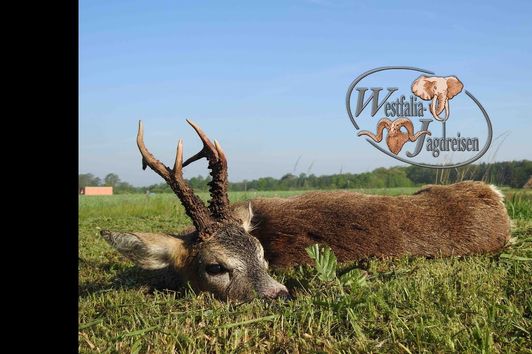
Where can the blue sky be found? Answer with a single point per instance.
(268, 79)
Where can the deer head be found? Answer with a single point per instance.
(219, 256)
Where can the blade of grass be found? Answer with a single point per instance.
(89, 324)
(260, 319)
(514, 257)
(138, 332)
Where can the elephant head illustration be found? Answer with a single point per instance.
(440, 89)
(396, 138)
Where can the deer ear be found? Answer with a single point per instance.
(245, 215)
(147, 250)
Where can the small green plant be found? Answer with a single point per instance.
(325, 265)
(325, 262)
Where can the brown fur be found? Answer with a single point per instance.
(460, 219)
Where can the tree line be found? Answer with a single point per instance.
(513, 174)
(110, 180)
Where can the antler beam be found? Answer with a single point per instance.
(219, 203)
(194, 207)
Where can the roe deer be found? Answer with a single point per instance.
(228, 251)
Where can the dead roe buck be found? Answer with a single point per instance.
(228, 251)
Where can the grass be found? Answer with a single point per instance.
(478, 304)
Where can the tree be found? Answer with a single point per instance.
(88, 179)
(124, 187)
(111, 180)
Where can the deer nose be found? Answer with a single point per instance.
(280, 292)
(275, 290)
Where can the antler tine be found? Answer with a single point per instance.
(194, 207)
(219, 203)
(148, 159)
(221, 153)
(208, 147)
(178, 165)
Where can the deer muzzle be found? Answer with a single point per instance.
(275, 290)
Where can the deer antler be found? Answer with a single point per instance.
(219, 203)
(194, 207)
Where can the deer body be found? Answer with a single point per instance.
(459, 219)
(228, 250)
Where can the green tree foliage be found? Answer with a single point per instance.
(88, 179)
(509, 173)
(124, 187)
(111, 180)
(199, 183)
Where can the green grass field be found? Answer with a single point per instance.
(478, 304)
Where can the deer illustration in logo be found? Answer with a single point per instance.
(396, 138)
(440, 89)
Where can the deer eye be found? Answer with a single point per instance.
(215, 269)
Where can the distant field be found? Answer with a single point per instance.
(478, 304)
(142, 205)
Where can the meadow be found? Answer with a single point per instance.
(479, 304)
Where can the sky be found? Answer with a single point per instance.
(268, 79)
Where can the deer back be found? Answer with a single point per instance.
(459, 219)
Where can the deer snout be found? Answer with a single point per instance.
(277, 291)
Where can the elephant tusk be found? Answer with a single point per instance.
(435, 114)
(433, 108)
